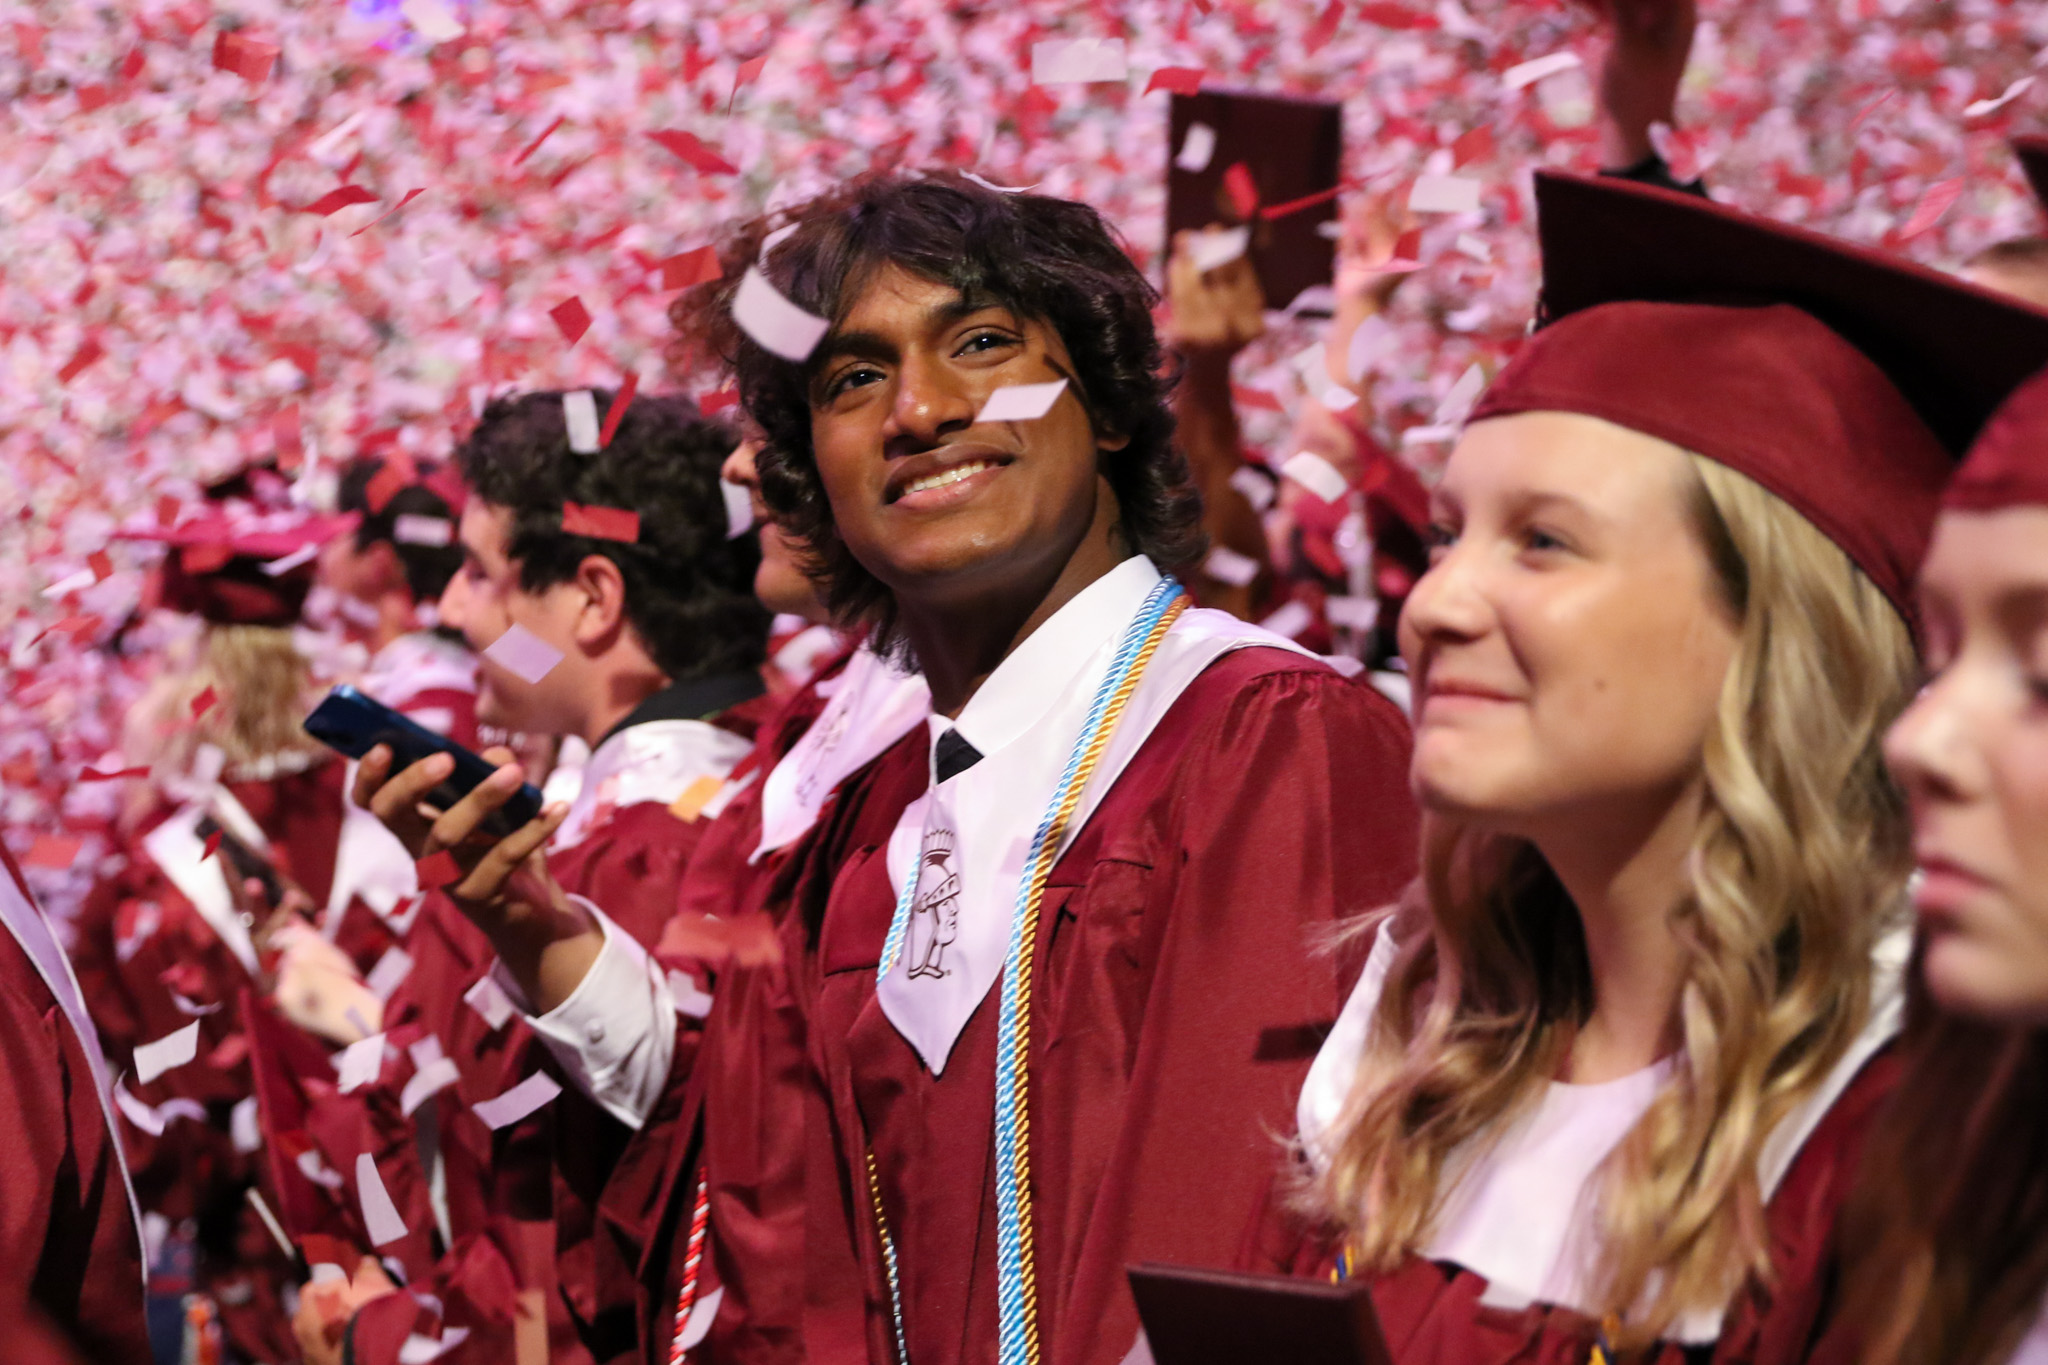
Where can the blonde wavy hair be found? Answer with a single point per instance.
(1799, 859)
(262, 686)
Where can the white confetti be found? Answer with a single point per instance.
(1021, 402)
(359, 1063)
(380, 1215)
(305, 554)
(1255, 487)
(391, 969)
(521, 1100)
(579, 411)
(523, 654)
(410, 528)
(1457, 404)
(1529, 72)
(779, 326)
(1218, 246)
(1991, 106)
(701, 1315)
(1371, 343)
(689, 999)
(1290, 620)
(739, 509)
(431, 20)
(490, 1002)
(1316, 474)
(429, 1081)
(1226, 565)
(173, 1050)
(419, 1350)
(1444, 194)
(1078, 61)
(1197, 148)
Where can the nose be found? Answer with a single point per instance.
(931, 402)
(1447, 605)
(454, 604)
(1928, 748)
(739, 466)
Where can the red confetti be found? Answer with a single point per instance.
(337, 199)
(1934, 205)
(95, 775)
(1242, 189)
(438, 870)
(250, 58)
(1307, 201)
(410, 195)
(1397, 17)
(750, 71)
(212, 845)
(1246, 397)
(622, 400)
(1325, 27)
(54, 850)
(102, 567)
(1477, 145)
(691, 149)
(572, 317)
(717, 401)
(383, 486)
(534, 145)
(690, 268)
(1181, 80)
(204, 702)
(604, 523)
(88, 351)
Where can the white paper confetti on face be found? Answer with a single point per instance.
(359, 1063)
(1196, 148)
(1078, 61)
(380, 1215)
(173, 1050)
(1316, 474)
(1529, 72)
(778, 325)
(1226, 565)
(431, 20)
(1218, 246)
(1021, 402)
(410, 528)
(1444, 194)
(523, 654)
(521, 1100)
(739, 510)
(579, 410)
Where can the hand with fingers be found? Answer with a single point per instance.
(505, 888)
(1216, 311)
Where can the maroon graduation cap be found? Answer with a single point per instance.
(2008, 467)
(1845, 380)
(223, 564)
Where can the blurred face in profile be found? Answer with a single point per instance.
(780, 582)
(1569, 641)
(1972, 756)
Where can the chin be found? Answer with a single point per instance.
(1976, 979)
(784, 590)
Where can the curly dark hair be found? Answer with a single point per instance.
(689, 587)
(1051, 260)
(427, 567)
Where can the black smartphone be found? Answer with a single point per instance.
(243, 861)
(1220, 1317)
(353, 724)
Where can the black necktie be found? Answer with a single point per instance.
(953, 755)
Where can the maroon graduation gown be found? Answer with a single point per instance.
(1180, 995)
(67, 1237)
(1430, 1312)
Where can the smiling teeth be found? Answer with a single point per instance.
(946, 476)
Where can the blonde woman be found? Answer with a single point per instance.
(1600, 1076)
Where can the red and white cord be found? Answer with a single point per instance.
(693, 1262)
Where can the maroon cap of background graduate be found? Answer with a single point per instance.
(2008, 467)
(237, 567)
(1845, 380)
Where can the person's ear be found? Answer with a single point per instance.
(1109, 442)
(603, 589)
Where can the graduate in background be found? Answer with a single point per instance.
(1948, 1240)
(1143, 984)
(1602, 1080)
(645, 639)
(70, 1229)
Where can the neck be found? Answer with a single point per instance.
(614, 696)
(960, 642)
(1626, 874)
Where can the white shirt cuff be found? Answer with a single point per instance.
(615, 1035)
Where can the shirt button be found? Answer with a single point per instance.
(594, 1032)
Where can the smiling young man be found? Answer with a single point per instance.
(1063, 964)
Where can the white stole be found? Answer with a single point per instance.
(972, 833)
(653, 761)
